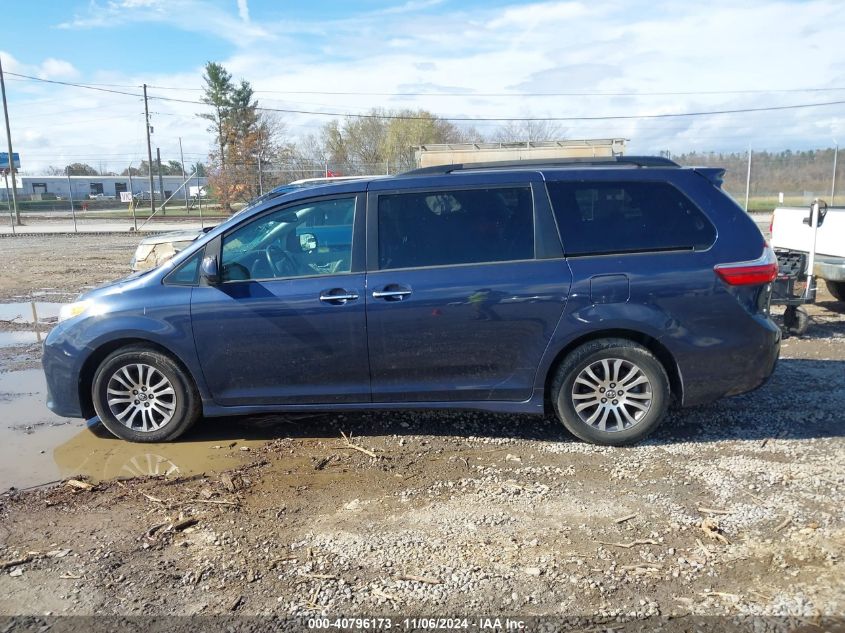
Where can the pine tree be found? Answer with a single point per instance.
(218, 94)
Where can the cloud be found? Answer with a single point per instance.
(187, 15)
(134, 4)
(410, 7)
(430, 87)
(457, 56)
(532, 15)
(243, 10)
(52, 68)
(568, 78)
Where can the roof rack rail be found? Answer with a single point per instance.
(634, 161)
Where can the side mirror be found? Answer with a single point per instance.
(307, 241)
(209, 271)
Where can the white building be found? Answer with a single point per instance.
(82, 187)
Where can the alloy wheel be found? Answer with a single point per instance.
(141, 397)
(611, 394)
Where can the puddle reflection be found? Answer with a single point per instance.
(98, 454)
(20, 337)
(37, 446)
(30, 312)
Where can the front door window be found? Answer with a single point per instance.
(299, 241)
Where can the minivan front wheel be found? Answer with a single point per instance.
(611, 391)
(142, 395)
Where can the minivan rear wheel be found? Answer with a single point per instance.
(143, 395)
(611, 391)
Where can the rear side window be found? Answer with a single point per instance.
(447, 227)
(619, 217)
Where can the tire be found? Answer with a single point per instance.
(796, 320)
(837, 289)
(152, 398)
(584, 366)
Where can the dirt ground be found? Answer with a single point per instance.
(732, 509)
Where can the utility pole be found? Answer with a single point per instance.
(833, 182)
(70, 196)
(260, 178)
(132, 198)
(160, 181)
(9, 202)
(149, 152)
(748, 181)
(182, 159)
(199, 198)
(11, 153)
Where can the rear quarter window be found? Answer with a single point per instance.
(627, 217)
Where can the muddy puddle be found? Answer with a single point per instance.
(37, 446)
(30, 311)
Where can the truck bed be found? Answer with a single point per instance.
(789, 231)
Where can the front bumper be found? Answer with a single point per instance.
(63, 376)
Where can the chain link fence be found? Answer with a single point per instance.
(758, 180)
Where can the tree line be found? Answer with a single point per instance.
(169, 168)
(791, 172)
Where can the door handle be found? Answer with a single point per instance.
(393, 292)
(338, 296)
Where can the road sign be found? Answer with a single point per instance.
(4, 160)
(126, 196)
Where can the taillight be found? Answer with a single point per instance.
(762, 270)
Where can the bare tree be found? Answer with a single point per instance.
(385, 139)
(523, 131)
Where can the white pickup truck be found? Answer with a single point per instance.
(791, 232)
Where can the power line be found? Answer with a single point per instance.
(467, 119)
(75, 85)
(88, 84)
(523, 94)
(525, 119)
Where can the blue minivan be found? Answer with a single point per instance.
(602, 290)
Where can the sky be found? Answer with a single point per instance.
(457, 58)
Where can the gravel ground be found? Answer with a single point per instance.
(731, 509)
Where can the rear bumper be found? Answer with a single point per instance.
(829, 268)
(746, 366)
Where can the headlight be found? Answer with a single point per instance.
(70, 310)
